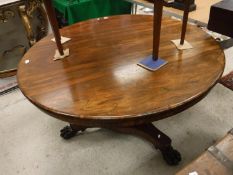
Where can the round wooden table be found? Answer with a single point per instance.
(101, 85)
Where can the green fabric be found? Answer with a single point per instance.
(80, 10)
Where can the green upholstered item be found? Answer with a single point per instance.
(79, 10)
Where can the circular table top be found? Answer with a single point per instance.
(100, 81)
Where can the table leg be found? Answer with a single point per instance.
(161, 141)
(70, 131)
(136, 9)
(146, 131)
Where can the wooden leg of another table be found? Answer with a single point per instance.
(157, 138)
(70, 131)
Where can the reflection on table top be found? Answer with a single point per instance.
(101, 80)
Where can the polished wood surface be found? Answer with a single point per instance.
(100, 81)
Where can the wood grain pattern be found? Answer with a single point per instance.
(100, 82)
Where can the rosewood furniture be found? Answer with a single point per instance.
(100, 85)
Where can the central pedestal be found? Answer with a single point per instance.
(146, 131)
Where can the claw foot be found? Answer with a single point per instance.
(69, 132)
(171, 156)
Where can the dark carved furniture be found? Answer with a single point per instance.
(100, 84)
(22, 23)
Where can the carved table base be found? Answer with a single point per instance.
(146, 131)
(71, 131)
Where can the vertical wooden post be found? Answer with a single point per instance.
(53, 21)
(185, 21)
(158, 12)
